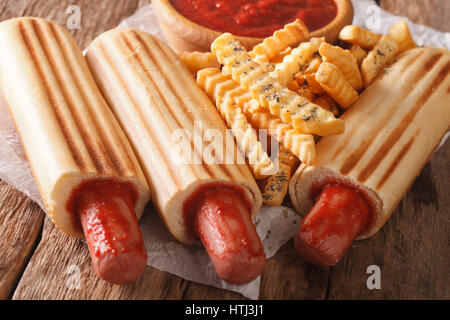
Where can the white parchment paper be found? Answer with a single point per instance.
(275, 225)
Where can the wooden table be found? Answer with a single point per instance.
(39, 262)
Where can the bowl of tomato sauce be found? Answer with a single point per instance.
(192, 25)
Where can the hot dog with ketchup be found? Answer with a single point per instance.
(222, 221)
(88, 176)
(361, 175)
(106, 213)
(157, 102)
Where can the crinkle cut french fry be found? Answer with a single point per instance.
(360, 36)
(326, 102)
(400, 33)
(247, 139)
(358, 52)
(196, 60)
(302, 145)
(279, 58)
(378, 58)
(267, 66)
(280, 101)
(334, 83)
(344, 61)
(309, 75)
(245, 136)
(299, 77)
(313, 84)
(294, 86)
(281, 39)
(306, 92)
(313, 66)
(295, 61)
(275, 188)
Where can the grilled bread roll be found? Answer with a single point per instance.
(69, 134)
(391, 132)
(152, 95)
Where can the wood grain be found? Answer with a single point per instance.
(411, 250)
(97, 16)
(61, 268)
(20, 225)
(433, 13)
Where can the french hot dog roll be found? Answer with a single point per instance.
(153, 96)
(360, 176)
(88, 176)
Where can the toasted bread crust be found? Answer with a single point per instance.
(153, 94)
(391, 131)
(68, 132)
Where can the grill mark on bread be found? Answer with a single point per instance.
(117, 152)
(351, 134)
(75, 152)
(397, 160)
(223, 167)
(149, 78)
(187, 112)
(356, 156)
(103, 55)
(411, 61)
(430, 63)
(83, 132)
(99, 158)
(199, 154)
(183, 71)
(94, 53)
(404, 123)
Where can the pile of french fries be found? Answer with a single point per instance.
(296, 93)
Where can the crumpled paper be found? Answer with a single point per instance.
(275, 225)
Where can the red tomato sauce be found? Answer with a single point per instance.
(108, 218)
(339, 211)
(317, 189)
(190, 203)
(223, 223)
(256, 18)
(73, 201)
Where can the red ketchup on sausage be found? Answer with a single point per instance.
(116, 246)
(222, 220)
(339, 215)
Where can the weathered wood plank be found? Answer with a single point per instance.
(20, 224)
(60, 268)
(97, 16)
(433, 13)
(288, 276)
